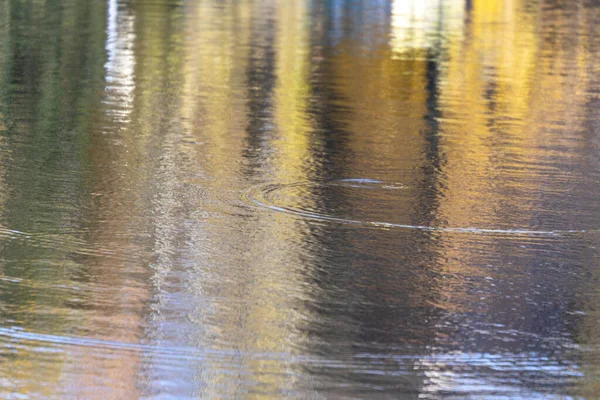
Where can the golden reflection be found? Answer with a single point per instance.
(216, 60)
(387, 101)
(270, 321)
(291, 93)
(503, 91)
(500, 91)
(215, 116)
(236, 46)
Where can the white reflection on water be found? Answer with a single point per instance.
(419, 24)
(120, 66)
(477, 375)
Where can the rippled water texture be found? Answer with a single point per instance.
(299, 199)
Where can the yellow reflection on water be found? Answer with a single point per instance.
(498, 97)
(292, 93)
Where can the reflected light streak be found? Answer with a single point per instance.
(412, 24)
(120, 74)
(422, 24)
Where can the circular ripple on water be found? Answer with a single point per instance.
(364, 202)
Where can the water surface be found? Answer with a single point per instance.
(299, 199)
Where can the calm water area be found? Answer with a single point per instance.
(311, 199)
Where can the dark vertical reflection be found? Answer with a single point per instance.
(367, 295)
(261, 79)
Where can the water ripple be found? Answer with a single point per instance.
(272, 197)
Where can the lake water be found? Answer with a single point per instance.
(299, 199)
